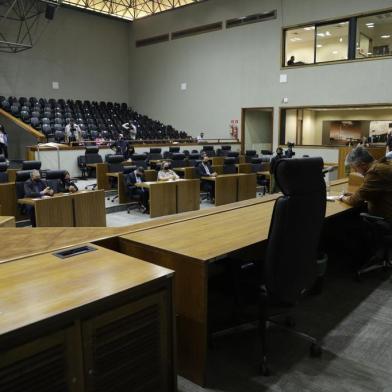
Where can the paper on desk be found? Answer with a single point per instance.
(333, 198)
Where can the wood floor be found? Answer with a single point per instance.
(355, 321)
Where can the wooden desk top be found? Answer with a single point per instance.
(264, 173)
(7, 221)
(147, 184)
(115, 174)
(227, 231)
(41, 287)
(32, 200)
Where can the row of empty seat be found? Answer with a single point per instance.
(95, 119)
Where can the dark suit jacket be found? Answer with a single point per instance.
(63, 186)
(33, 188)
(201, 171)
(131, 181)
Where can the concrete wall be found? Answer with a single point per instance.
(87, 54)
(240, 67)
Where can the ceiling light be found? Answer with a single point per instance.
(340, 39)
(370, 27)
(386, 36)
(319, 46)
(369, 53)
(309, 28)
(321, 34)
(328, 34)
(335, 52)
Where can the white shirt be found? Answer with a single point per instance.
(207, 169)
(200, 138)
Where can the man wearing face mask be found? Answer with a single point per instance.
(204, 169)
(166, 174)
(133, 178)
(34, 188)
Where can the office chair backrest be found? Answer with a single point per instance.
(155, 150)
(2, 158)
(249, 155)
(178, 160)
(297, 221)
(174, 149)
(256, 164)
(155, 154)
(139, 160)
(229, 166)
(266, 152)
(53, 177)
(209, 150)
(3, 172)
(226, 148)
(193, 158)
(91, 155)
(21, 177)
(115, 163)
(31, 165)
(128, 169)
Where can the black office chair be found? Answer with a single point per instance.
(379, 241)
(223, 151)
(249, 155)
(31, 165)
(209, 150)
(91, 155)
(193, 158)
(229, 166)
(115, 163)
(290, 267)
(178, 160)
(21, 177)
(174, 149)
(260, 165)
(155, 154)
(2, 158)
(3, 172)
(140, 160)
(233, 154)
(53, 177)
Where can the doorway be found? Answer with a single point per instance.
(257, 129)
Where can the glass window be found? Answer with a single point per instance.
(374, 36)
(299, 46)
(332, 42)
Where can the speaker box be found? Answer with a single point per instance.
(49, 11)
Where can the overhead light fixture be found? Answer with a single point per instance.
(328, 34)
(335, 52)
(386, 36)
(369, 53)
(319, 45)
(321, 34)
(340, 39)
(309, 28)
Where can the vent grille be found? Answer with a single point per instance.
(152, 40)
(42, 372)
(256, 18)
(197, 30)
(127, 354)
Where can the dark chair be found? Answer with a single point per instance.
(259, 165)
(290, 266)
(92, 156)
(2, 158)
(249, 155)
(223, 151)
(193, 159)
(21, 177)
(379, 241)
(3, 172)
(209, 150)
(31, 165)
(59, 136)
(53, 177)
(234, 154)
(178, 160)
(139, 160)
(266, 152)
(174, 149)
(155, 154)
(229, 166)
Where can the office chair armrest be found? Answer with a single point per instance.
(384, 226)
(371, 218)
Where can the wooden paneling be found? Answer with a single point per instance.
(188, 195)
(162, 199)
(8, 199)
(245, 168)
(226, 189)
(151, 175)
(7, 221)
(247, 186)
(102, 180)
(54, 212)
(89, 209)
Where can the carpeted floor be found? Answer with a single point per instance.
(355, 321)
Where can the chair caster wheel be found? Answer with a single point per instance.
(315, 351)
(290, 322)
(264, 370)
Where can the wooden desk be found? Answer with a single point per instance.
(56, 211)
(247, 184)
(89, 208)
(230, 232)
(121, 191)
(245, 168)
(100, 173)
(12, 174)
(188, 173)
(226, 188)
(188, 195)
(8, 200)
(59, 316)
(7, 221)
(162, 197)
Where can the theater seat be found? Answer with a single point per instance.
(31, 165)
(3, 172)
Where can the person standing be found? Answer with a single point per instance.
(3, 142)
(131, 128)
(72, 132)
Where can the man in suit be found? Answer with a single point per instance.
(35, 187)
(137, 176)
(204, 169)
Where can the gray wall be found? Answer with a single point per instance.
(87, 54)
(231, 69)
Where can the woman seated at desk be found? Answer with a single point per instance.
(65, 184)
(166, 174)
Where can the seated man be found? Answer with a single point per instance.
(34, 188)
(166, 174)
(204, 169)
(376, 189)
(65, 185)
(279, 155)
(137, 176)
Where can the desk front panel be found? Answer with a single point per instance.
(54, 212)
(163, 197)
(89, 209)
(188, 195)
(8, 199)
(247, 186)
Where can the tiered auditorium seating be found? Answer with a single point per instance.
(103, 119)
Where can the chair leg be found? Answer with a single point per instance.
(263, 319)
